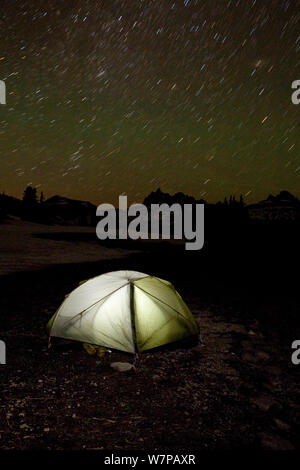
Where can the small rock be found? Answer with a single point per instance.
(282, 425)
(122, 366)
(263, 403)
(269, 441)
(263, 355)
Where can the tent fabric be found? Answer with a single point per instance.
(125, 310)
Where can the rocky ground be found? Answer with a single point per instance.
(237, 390)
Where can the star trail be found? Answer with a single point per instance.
(122, 97)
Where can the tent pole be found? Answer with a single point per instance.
(132, 318)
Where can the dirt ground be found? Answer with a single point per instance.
(238, 390)
(22, 248)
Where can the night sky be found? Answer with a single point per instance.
(122, 97)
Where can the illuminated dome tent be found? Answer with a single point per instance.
(124, 310)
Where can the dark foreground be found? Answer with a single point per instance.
(237, 391)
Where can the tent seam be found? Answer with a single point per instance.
(165, 303)
(93, 305)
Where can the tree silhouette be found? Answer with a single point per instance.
(30, 196)
(29, 203)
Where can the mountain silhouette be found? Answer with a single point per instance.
(60, 209)
(66, 211)
(284, 206)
